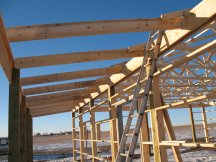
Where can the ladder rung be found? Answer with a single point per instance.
(135, 115)
(129, 134)
(123, 154)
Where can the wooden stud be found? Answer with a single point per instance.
(192, 123)
(205, 125)
(82, 158)
(93, 132)
(113, 124)
(74, 136)
(23, 130)
(14, 117)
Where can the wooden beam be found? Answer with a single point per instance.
(59, 95)
(81, 135)
(74, 137)
(23, 130)
(68, 58)
(62, 87)
(57, 100)
(60, 30)
(113, 125)
(70, 75)
(193, 130)
(6, 57)
(14, 117)
(93, 132)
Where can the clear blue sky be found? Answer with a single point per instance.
(25, 12)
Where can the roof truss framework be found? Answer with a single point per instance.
(186, 65)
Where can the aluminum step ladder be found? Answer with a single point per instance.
(134, 105)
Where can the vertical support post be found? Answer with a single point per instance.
(14, 117)
(144, 137)
(120, 126)
(93, 132)
(205, 125)
(113, 124)
(192, 123)
(74, 136)
(98, 131)
(23, 129)
(29, 137)
(81, 136)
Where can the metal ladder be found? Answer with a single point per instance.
(134, 104)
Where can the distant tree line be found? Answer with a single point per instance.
(53, 134)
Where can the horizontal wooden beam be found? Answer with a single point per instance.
(46, 97)
(62, 87)
(68, 58)
(60, 30)
(70, 75)
(6, 57)
(54, 101)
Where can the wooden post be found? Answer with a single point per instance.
(74, 136)
(120, 126)
(93, 133)
(205, 125)
(14, 117)
(27, 134)
(192, 123)
(158, 133)
(144, 137)
(23, 130)
(98, 131)
(81, 136)
(113, 124)
(30, 139)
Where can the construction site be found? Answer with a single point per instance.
(174, 69)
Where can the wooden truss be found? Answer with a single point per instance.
(185, 78)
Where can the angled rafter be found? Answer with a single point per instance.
(62, 87)
(37, 32)
(6, 57)
(70, 75)
(47, 60)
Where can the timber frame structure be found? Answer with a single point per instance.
(185, 78)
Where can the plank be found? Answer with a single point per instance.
(60, 30)
(193, 130)
(61, 87)
(68, 58)
(6, 57)
(23, 130)
(70, 75)
(14, 117)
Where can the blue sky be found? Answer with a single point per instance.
(24, 12)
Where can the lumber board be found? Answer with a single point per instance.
(68, 58)
(70, 75)
(62, 87)
(60, 30)
(6, 57)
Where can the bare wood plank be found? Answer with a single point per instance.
(61, 87)
(6, 57)
(23, 130)
(70, 75)
(74, 136)
(192, 123)
(57, 100)
(68, 58)
(37, 32)
(14, 117)
(81, 135)
(93, 132)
